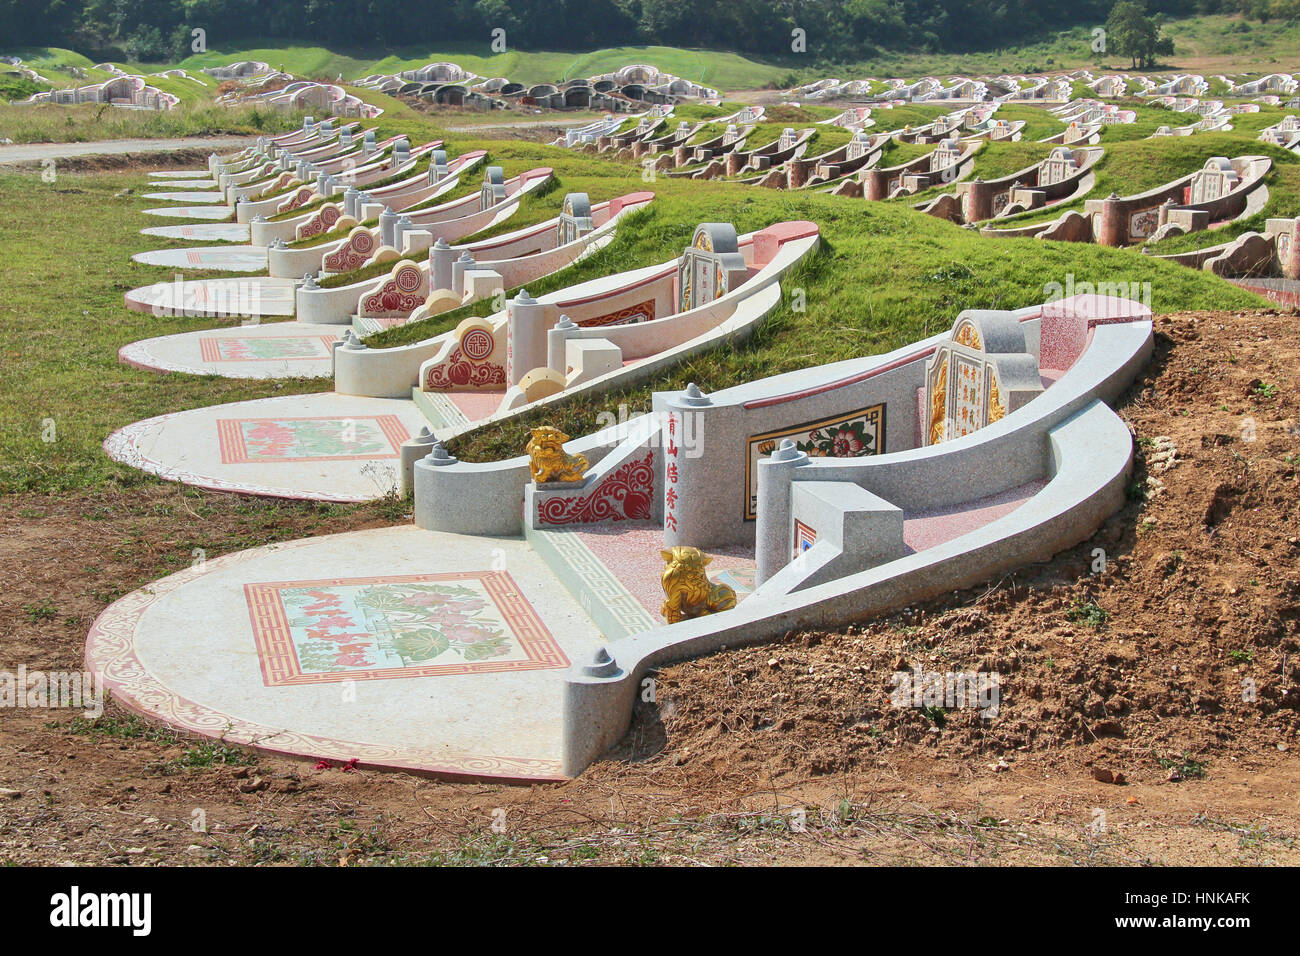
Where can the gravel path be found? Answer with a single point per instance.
(30, 152)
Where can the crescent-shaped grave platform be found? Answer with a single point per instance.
(202, 232)
(224, 258)
(324, 446)
(274, 350)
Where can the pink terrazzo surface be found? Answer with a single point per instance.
(926, 529)
(476, 405)
(630, 550)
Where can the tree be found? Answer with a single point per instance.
(1131, 33)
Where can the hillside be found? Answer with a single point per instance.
(1214, 43)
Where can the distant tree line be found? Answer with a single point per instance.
(834, 30)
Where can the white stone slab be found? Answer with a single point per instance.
(190, 212)
(192, 196)
(203, 232)
(273, 350)
(187, 650)
(252, 296)
(323, 446)
(226, 258)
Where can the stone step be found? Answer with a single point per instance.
(440, 412)
(598, 591)
(365, 325)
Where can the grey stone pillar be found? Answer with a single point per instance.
(440, 263)
(691, 490)
(527, 336)
(773, 548)
(387, 224)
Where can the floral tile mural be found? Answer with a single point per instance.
(848, 436)
(259, 440)
(379, 628)
(265, 348)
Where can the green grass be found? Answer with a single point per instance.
(15, 87)
(1002, 159)
(1039, 124)
(60, 355)
(1260, 47)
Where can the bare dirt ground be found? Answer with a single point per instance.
(1149, 713)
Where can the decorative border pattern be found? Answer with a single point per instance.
(235, 452)
(622, 495)
(321, 222)
(804, 537)
(210, 349)
(279, 660)
(457, 371)
(358, 249)
(641, 312)
(299, 198)
(399, 295)
(124, 446)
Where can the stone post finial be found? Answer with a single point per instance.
(693, 395)
(602, 665)
(438, 455)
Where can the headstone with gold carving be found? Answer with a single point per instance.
(982, 373)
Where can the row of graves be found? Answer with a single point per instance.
(505, 632)
(122, 90)
(1058, 91)
(1222, 191)
(619, 328)
(299, 96)
(653, 140)
(1065, 175)
(1035, 89)
(783, 163)
(329, 231)
(629, 89)
(281, 187)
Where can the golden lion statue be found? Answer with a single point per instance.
(548, 461)
(689, 591)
